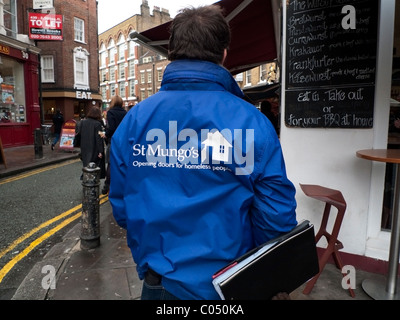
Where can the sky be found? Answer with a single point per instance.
(113, 12)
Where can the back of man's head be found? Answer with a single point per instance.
(199, 33)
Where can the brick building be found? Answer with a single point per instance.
(125, 68)
(67, 77)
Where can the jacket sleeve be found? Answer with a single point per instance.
(273, 210)
(118, 169)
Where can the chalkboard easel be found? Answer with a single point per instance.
(2, 157)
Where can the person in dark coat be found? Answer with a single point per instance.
(114, 117)
(266, 109)
(92, 143)
(58, 121)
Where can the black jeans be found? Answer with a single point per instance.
(153, 289)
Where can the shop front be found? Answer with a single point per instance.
(19, 100)
(73, 104)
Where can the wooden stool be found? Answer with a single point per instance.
(334, 198)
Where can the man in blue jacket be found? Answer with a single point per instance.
(198, 175)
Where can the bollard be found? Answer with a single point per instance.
(38, 144)
(90, 225)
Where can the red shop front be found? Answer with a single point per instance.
(19, 92)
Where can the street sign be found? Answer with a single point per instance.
(42, 4)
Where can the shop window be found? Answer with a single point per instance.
(81, 68)
(10, 17)
(47, 66)
(12, 90)
(79, 30)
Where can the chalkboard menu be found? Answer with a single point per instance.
(331, 50)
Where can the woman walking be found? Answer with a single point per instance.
(92, 144)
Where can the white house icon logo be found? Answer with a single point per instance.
(220, 147)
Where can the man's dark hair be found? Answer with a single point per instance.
(199, 33)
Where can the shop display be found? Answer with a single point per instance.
(10, 111)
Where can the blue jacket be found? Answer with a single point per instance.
(198, 178)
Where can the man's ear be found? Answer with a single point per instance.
(225, 54)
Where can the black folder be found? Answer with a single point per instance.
(280, 265)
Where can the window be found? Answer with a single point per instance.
(263, 73)
(47, 66)
(121, 71)
(131, 68)
(239, 77)
(121, 48)
(122, 90)
(159, 75)
(112, 89)
(132, 88)
(147, 59)
(142, 77)
(112, 73)
(10, 17)
(103, 75)
(111, 52)
(104, 93)
(12, 87)
(248, 77)
(221, 149)
(81, 68)
(103, 56)
(131, 49)
(149, 76)
(79, 29)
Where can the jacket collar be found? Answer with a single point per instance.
(198, 75)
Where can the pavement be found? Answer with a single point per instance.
(107, 272)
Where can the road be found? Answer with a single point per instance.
(37, 209)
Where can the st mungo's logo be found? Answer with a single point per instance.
(223, 150)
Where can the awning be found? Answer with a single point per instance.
(253, 34)
(261, 92)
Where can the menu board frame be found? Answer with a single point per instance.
(331, 48)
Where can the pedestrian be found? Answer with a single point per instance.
(114, 117)
(198, 174)
(91, 142)
(58, 121)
